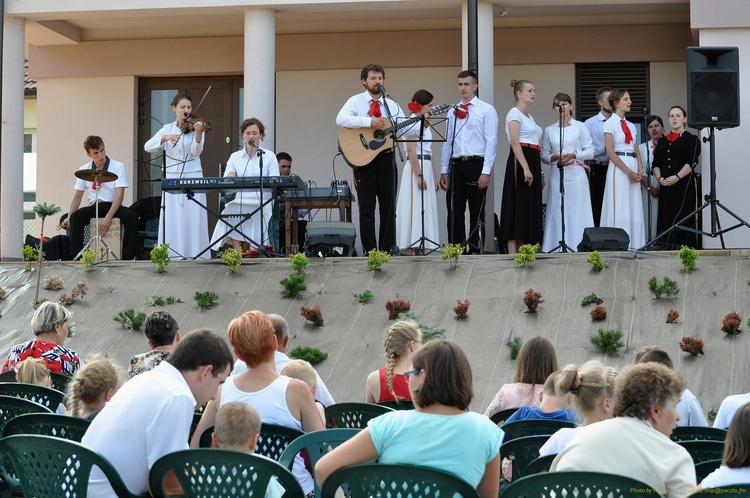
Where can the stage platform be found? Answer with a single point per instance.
(353, 333)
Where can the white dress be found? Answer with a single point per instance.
(578, 215)
(623, 206)
(247, 201)
(409, 205)
(647, 158)
(186, 222)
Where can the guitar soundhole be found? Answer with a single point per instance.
(379, 135)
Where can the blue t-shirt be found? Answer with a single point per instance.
(461, 445)
(533, 412)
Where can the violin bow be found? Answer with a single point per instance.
(195, 111)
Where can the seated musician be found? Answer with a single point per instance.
(285, 169)
(247, 163)
(111, 195)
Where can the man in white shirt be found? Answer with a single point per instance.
(598, 166)
(151, 414)
(728, 408)
(111, 195)
(466, 163)
(281, 329)
(377, 180)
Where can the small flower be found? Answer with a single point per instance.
(414, 107)
(462, 111)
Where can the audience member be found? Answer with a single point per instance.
(440, 433)
(33, 371)
(735, 465)
(304, 371)
(50, 326)
(689, 407)
(279, 400)
(281, 330)
(636, 442)
(92, 387)
(728, 408)
(163, 334)
(536, 361)
(150, 416)
(593, 390)
(552, 406)
(402, 339)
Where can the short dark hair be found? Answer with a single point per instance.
(737, 446)
(653, 118)
(615, 97)
(93, 142)
(253, 121)
(422, 97)
(199, 348)
(283, 156)
(643, 385)
(468, 74)
(160, 328)
(375, 68)
(181, 96)
(447, 375)
(654, 354)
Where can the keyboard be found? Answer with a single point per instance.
(319, 193)
(232, 184)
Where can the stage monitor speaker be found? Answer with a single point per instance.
(713, 87)
(604, 239)
(330, 238)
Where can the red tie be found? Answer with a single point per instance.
(626, 131)
(374, 109)
(463, 111)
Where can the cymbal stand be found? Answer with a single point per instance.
(98, 238)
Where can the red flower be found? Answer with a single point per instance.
(415, 107)
(462, 112)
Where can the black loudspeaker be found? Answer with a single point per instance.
(604, 239)
(330, 238)
(713, 87)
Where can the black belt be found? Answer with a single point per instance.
(628, 154)
(598, 163)
(467, 158)
(426, 157)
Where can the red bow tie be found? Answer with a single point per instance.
(374, 109)
(463, 111)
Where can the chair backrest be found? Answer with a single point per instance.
(701, 451)
(731, 491)
(213, 473)
(533, 427)
(48, 424)
(353, 415)
(11, 407)
(502, 415)
(404, 404)
(9, 376)
(51, 398)
(378, 480)
(698, 433)
(539, 465)
(704, 468)
(60, 381)
(50, 467)
(522, 451)
(274, 439)
(580, 484)
(316, 444)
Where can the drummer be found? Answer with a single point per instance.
(111, 186)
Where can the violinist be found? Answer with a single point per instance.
(247, 162)
(187, 226)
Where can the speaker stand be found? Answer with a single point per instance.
(710, 202)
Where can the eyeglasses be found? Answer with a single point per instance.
(412, 372)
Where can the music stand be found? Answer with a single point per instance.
(96, 176)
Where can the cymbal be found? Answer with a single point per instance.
(95, 175)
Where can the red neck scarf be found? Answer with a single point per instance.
(374, 109)
(671, 137)
(626, 131)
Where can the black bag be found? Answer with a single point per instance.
(54, 249)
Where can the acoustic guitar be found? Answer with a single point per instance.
(359, 146)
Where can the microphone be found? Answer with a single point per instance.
(560, 103)
(381, 89)
(251, 142)
(644, 111)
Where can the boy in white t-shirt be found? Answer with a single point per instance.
(304, 371)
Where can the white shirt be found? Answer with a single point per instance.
(690, 410)
(724, 476)
(182, 157)
(614, 128)
(241, 164)
(148, 417)
(726, 411)
(354, 112)
(576, 138)
(595, 124)
(530, 132)
(107, 191)
(475, 135)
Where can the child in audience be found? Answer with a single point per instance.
(735, 465)
(34, 371)
(237, 428)
(304, 371)
(93, 385)
(551, 405)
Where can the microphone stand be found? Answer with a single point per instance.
(163, 198)
(561, 167)
(261, 193)
(394, 171)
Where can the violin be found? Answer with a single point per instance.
(191, 120)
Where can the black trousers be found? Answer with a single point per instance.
(597, 182)
(462, 186)
(83, 216)
(376, 183)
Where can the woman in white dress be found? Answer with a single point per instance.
(622, 206)
(243, 163)
(649, 183)
(418, 179)
(577, 148)
(186, 223)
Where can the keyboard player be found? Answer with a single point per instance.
(285, 169)
(247, 162)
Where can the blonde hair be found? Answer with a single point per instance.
(302, 370)
(90, 383)
(518, 86)
(398, 337)
(236, 424)
(33, 371)
(589, 383)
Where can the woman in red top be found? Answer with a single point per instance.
(389, 384)
(50, 325)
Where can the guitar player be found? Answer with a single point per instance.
(377, 180)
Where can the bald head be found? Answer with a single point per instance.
(281, 329)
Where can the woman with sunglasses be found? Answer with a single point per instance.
(440, 433)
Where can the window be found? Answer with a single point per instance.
(632, 76)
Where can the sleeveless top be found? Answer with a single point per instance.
(400, 387)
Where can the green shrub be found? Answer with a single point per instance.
(595, 259)
(514, 345)
(232, 257)
(526, 255)
(89, 258)
(688, 256)
(427, 331)
(160, 257)
(205, 299)
(312, 355)
(161, 300)
(130, 319)
(364, 298)
(667, 288)
(294, 284)
(591, 299)
(452, 252)
(376, 259)
(608, 341)
(299, 262)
